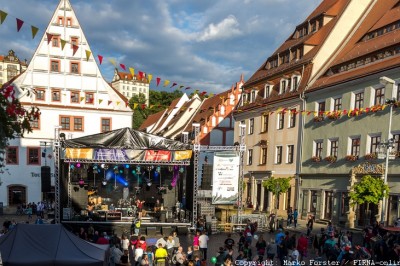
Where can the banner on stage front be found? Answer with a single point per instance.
(182, 155)
(82, 153)
(157, 155)
(225, 178)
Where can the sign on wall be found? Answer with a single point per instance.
(225, 178)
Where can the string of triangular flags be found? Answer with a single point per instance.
(141, 74)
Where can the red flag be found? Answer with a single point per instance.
(187, 88)
(49, 36)
(19, 24)
(143, 106)
(100, 59)
(140, 74)
(109, 102)
(74, 48)
(126, 104)
(203, 93)
(122, 66)
(158, 81)
(174, 84)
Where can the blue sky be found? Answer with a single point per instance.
(203, 44)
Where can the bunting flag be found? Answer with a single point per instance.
(135, 105)
(132, 70)
(187, 88)
(113, 61)
(34, 31)
(118, 102)
(109, 102)
(158, 81)
(181, 86)
(82, 98)
(19, 24)
(88, 53)
(74, 49)
(166, 82)
(3, 16)
(210, 95)
(63, 43)
(174, 84)
(49, 36)
(122, 66)
(151, 106)
(140, 75)
(143, 106)
(100, 101)
(100, 59)
(150, 76)
(126, 104)
(190, 109)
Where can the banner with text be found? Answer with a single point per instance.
(225, 178)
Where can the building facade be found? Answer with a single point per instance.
(350, 121)
(73, 99)
(130, 86)
(10, 66)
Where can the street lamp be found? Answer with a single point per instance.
(385, 147)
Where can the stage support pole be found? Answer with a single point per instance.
(196, 148)
(57, 149)
(242, 149)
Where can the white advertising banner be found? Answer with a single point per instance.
(225, 178)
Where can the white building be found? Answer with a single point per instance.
(71, 93)
(10, 66)
(129, 85)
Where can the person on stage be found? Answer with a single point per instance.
(139, 205)
(157, 209)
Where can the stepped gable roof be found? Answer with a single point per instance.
(331, 7)
(166, 114)
(1, 58)
(152, 119)
(357, 48)
(128, 76)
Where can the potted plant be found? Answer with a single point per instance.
(351, 158)
(370, 156)
(331, 159)
(334, 115)
(318, 118)
(316, 159)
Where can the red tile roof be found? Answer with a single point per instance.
(152, 119)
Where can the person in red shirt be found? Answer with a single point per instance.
(302, 244)
(103, 240)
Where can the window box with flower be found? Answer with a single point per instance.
(331, 159)
(316, 159)
(335, 115)
(370, 156)
(351, 158)
(318, 118)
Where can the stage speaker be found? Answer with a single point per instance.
(166, 230)
(151, 231)
(163, 216)
(182, 230)
(45, 178)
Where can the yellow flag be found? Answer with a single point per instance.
(135, 105)
(118, 102)
(151, 106)
(88, 53)
(82, 98)
(3, 16)
(63, 42)
(132, 70)
(34, 31)
(100, 101)
(113, 61)
(166, 82)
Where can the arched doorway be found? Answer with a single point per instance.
(16, 195)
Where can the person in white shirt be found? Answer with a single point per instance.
(138, 254)
(162, 240)
(203, 239)
(170, 246)
(124, 242)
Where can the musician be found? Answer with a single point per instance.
(157, 209)
(90, 208)
(139, 205)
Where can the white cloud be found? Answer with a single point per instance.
(227, 28)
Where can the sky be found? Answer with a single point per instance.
(202, 44)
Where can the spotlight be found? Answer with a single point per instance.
(127, 166)
(102, 165)
(81, 182)
(78, 165)
(181, 169)
(72, 166)
(104, 182)
(149, 184)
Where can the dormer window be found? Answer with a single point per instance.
(244, 98)
(283, 86)
(295, 83)
(267, 91)
(253, 96)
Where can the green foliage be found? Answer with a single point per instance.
(277, 185)
(368, 190)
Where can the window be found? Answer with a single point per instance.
(264, 122)
(396, 138)
(74, 123)
(334, 148)
(74, 41)
(355, 147)
(74, 96)
(337, 104)
(55, 65)
(290, 153)
(321, 109)
(35, 123)
(263, 156)
(292, 119)
(251, 126)
(283, 86)
(379, 96)
(105, 124)
(250, 157)
(398, 92)
(11, 71)
(56, 95)
(267, 91)
(89, 98)
(75, 67)
(344, 204)
(375, 141)
(313, 201)
(40, 94)
(60, 21)
(253, 96)
(69, 22)
(295, 83)
(33, 156)
(278, 154)
(65, 123)
(12, 155)
(78, 123)
(358, 100)
(16, 195)
(281, 120)
(318, 148)
(55, 40)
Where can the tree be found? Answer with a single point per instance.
(369, 190)
(14, 118)
(140, 110)
(277, 186)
